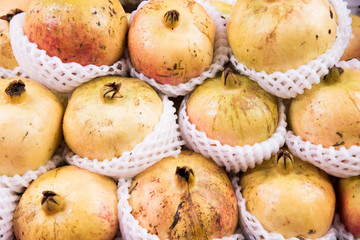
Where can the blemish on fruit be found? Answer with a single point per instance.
(317, 37)
(338, 144)
(133, 188)
(176, 216)
(312, 231)
(329, 31)
(331, 14)
(339, 134)
(25, 135)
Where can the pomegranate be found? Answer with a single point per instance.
(8, 8)
(279, 35)
(159, 26)
(188, 197)
(329, 114)
(348, 196)
(353, 48)
(233, 109)
(110, 115)
(30, 125)
(289, 196)
(68, 203)
(82, 31)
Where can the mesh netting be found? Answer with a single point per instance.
(51, 71)
(343, 234)
(352, 63)
(164, 141)
(253, 229)
(295, 81)
(237, 158)
(130, 227)
(8, 73)
(8, 204)
(221, 52)
(343, 163)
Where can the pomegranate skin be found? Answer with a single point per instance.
(82, 31)
(202, 207)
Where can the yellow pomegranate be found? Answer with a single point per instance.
(171, 41)
(233, 109)
(329, 114)
(279, 35)
(353, 48)
(82, 31)
(68, 203)
(30, 125)
(188, 197)
(8, 8)
(289, 196)
(110, 115)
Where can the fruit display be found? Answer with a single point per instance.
(90, 149)
(68, 203)
(289, 196)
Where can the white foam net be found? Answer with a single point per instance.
(344, 162)
(253, 229)
(8, 73)
(129, 226)
(352, 63)
(343, 234)
(237, 158)
(221, 52)
(51, 71)
(295, 81)
(163, 142)
(12, 187)
(8, 204)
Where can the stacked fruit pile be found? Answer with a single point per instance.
(182, 120)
